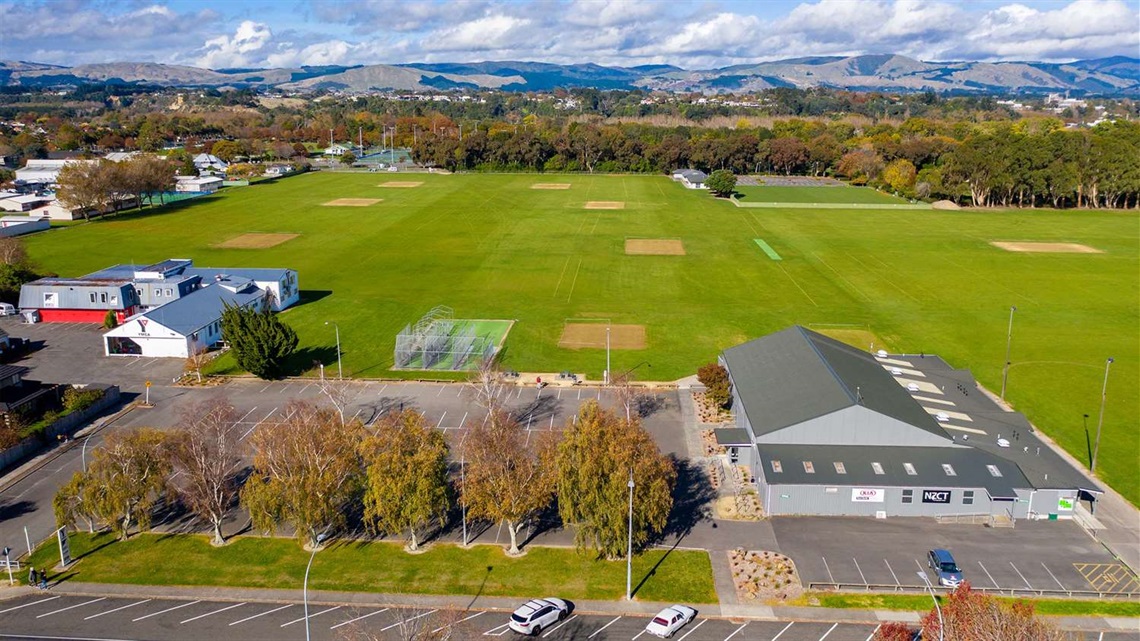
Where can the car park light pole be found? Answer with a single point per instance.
(1008, 343)
(629, 549)
(305, 589)
(1100, 419)
(339, 370)
(937, 608)
(462, 483)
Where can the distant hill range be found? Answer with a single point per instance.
(1106, 76)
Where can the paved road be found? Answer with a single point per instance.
(50, 616)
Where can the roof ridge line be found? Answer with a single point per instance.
(842, 385)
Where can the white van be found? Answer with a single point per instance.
(7, 309)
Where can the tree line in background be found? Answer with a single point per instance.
(103, 185)
(317, 472)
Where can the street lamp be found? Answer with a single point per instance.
(305, 590)
(1008, 343)
(339, 369)
(1100, 419)
(462, 483)
(937, 608)
(629, 549)
(83, 452)
(607, 377)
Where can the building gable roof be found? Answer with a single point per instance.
(194, 311)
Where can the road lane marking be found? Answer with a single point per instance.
(783, 631)
(51, 598)
(703, 621)
(1052, 575)
(833, 626)
(988, 574)
(71, 607)
(736, 632)
(154, 614)
(1020, 575)
(892, 571)
(596, 632)
(311, 616)
(872, 635)
(93, 616)
(203, 616)
(418, 616)
(262, 614)
(444, 627)
(828, 568)
(358, 618)
(860, 571)
(551, 631)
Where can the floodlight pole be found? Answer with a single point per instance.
(463, 482)
(305, 589)
(339, 369)
(1100, 419)
(937, 608)
(1008, 343)
(629, 548)
(607, 377)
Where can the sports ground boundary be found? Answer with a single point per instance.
(764, 205)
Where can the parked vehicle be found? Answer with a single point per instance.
(536, 615)
(669, 620)
(8, 309)
(942, 562)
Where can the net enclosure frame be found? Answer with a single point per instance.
(439, 341)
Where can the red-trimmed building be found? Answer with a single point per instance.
(67, 300)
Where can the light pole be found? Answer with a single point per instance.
(1100, 419)
(607, 377)
(1008, 344)
(629, 548)
(339, 369)
(462, 483)
(83, 452)
(305, 589)
(937, 608)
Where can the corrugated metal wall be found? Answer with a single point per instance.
(837, 501)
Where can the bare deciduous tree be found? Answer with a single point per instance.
(486, 383)
(12, 251)
(973, 616)
(412, 624)
(198, 357)
(338, 392)
(205, 454)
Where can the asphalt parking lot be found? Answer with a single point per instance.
(86, 617)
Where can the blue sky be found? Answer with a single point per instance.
(694, 34)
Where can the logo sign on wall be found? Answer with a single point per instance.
(868, 495)
(1065, 504)
(142, 325)
(936, 496)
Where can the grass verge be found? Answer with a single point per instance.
(252, 562)
(1057, 607)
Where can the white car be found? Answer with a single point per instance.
(670, 620)
(536, 615)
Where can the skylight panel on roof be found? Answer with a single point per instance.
(910, 469)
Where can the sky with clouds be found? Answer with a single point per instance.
(693, 34)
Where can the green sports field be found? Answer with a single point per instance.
(861, 195)
(491, 247)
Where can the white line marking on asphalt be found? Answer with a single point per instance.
(94, 616)
(463, 421)
(638, 634)
(262, 614)
(304, 389)
(785, 629)
(381, 392)
(356, 414)
(370, 614)
(1020, 575)
(579, 393)
(833, 626)
(1052, 575)
(551, 421)
(267, 386)
(444, 627)
(492, 630)
(596, 632)
(203, 616)
(418, 616)
(154, 614)
(529, 420)
(50, 598)
(440, 420)
(311, 616)
(828, 568)
(703, 621)
(892, 571)
(987, 574)
(551, 631)
(872, 635)
(71, 607)
(45, 638)
(284, 387)
(255, 425)
(860, 571)
(458, 391)
(559, 393)
(242, 419)
(1101, 636)
(736, 632)
(441, 388)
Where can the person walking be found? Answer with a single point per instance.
(33, 578)
(43, 580)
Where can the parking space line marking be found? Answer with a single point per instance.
(735, 632)
(358, 618)
(255, 425)
(304, 389)
(311, 616)
(418, 616)
(444, 627)
(203, 616)
(93, 616)
(242, 419)
(552, 421)
(53, 598)
(261, 614)
(638, 634)
(381, 392)
(498, 627)
(790, 623)
(892, 571)
(458, 391)
(988, 574)
(860, 571)
(872, 635)
(596, 632)
(154, 614)
(703, 621)
(579, 393)
(1052, 575)
(1020, 575)
(828, 568)
(519, 395)
(440, 420)
(356, 414)
(441, 388)
(833, 626)
(71, 607)
(284, 387)
(267, 386)
(551, 630)
(559, 393)
(463, 421)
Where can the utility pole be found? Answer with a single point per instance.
(360, 139)
(1008, 343)
(1100, 420)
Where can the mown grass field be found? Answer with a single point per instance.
(254, 562)
(493, 248)
(862, 195)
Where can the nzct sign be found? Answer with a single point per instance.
(936, 496)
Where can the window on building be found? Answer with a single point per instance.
(114, 299)
(777, 467)
(158, 293)
(92, 294)
(169, 291)
(103, 297)
(994, 471)
(910, 469)
(839, 467)
(908, 496)
(949, 469)
(877, 467)
(968, 497)
(809, 467)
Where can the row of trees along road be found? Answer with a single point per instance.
(102, 185)
(308, 470)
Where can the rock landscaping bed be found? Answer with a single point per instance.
(708, 412)
(764, 576)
